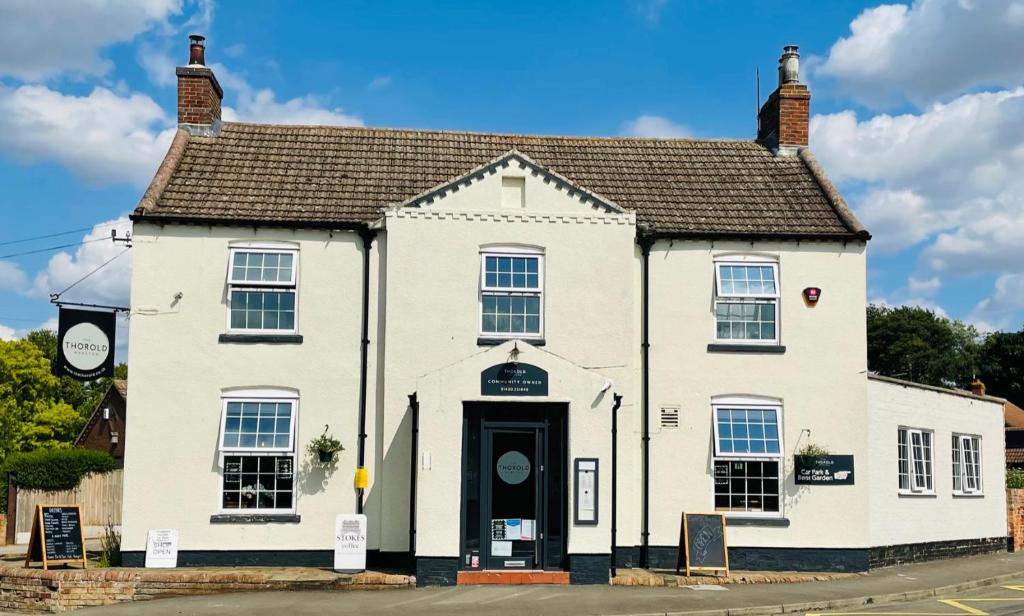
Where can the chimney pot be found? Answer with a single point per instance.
(197, 50)
(978, 388)
(789, 65)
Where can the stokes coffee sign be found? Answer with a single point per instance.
(85, 344)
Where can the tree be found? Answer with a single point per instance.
(32, 413)
(1001, 365)
(918, 345)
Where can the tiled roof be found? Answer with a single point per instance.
(327, 175)
(1015, 456)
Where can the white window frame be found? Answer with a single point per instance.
(258, 395)
(749, 403)
(539, 292)
(291, 286)
(720, 297)
(960, 452)
(917, 487)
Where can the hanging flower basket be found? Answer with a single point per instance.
(325, 448)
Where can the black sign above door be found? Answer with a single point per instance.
(85, 344)
(824, 470)
(514, 379)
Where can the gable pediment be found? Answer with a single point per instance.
(513, 183)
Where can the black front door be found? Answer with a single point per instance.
(513, 486)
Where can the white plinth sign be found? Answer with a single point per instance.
(350, 542)
(162, 548)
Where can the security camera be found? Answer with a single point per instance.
(607, 385)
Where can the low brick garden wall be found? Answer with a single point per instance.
(62, 590)
(1015, 517)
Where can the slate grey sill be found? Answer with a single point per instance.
(918, 495)
(779, 522)
(255, 518)
(261, 338)
(496, 341)
(745, 348)
(968, 496)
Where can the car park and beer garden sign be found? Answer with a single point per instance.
(85, 344)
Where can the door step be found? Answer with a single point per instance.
(513, 577)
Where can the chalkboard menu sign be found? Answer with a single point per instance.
(56, 537)
(702, 543)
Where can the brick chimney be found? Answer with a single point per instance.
(782, 120)
(199, 93)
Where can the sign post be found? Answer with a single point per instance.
(56, 536)
(350, 542)
(162, 548)
(85, 344)
(824, 470)
(702, 543)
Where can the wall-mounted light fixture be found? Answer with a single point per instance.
(106, 413)
(114, 437)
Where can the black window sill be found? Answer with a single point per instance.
(746, 348)
(255, 518)
(958, 495)
(496, 341)
(740, 521)
(918, 495)
(261, 338)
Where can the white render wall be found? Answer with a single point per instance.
(820, 380)
(179, 370)
(898, 519)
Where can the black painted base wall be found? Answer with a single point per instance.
(589, 568)
(375, 559)
(890, 555)
(436, 571)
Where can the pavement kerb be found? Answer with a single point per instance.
(836, 604)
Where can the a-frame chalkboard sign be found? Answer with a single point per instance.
(56, 537)
(702, 544)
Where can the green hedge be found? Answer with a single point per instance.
(1014, 478)
(52, 469)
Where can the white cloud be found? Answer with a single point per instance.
(380, 82)
(951, 170)
(11, 277)
(102, 136)
(1002, 309)
(927, 286)
(650, 10)
(109, 285)
(261, 105)
(929, 51)
(654, 126)
(7, 333)
(45, 39)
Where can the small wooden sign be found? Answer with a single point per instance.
(702, 544)
(56, 536)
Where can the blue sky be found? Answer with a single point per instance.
(918, 111)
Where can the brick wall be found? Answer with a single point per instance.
(38, 591)
(1015, 517)
(785, 115)
(199, 96)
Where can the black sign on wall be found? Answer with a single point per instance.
(85, 344)
(514, 379)
(824, 470)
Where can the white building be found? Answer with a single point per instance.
(469, 314)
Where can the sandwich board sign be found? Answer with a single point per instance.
(162, 548)
(350, 542)
(702, 543)
(56, 536)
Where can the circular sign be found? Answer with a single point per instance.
(513, 467)
(86, 346)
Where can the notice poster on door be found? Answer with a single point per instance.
(501, 548)
(513, 529)
(498, 530)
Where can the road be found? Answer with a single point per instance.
(1002, 600)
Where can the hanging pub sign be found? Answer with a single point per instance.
(514, 379)
(85, 344)
(824, 470)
